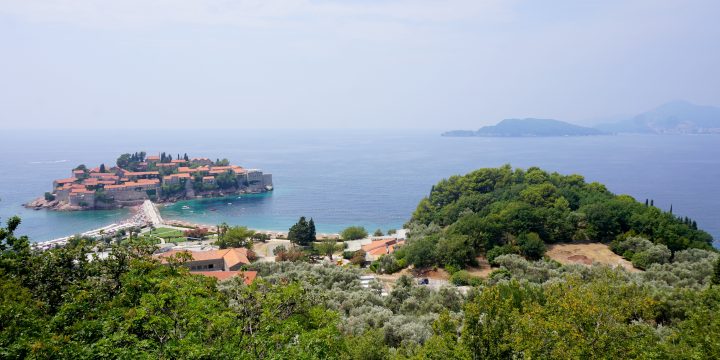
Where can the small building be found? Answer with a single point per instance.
(381, 247)
(213, 260)
(175, 178)
(208, 179)
(152, 159)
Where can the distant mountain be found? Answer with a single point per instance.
(528, 128)
(677, 117)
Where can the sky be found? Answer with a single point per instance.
(397, 64)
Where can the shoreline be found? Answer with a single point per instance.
(40, 203)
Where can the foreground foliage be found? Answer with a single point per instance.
(66, 303)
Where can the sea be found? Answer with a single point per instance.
(371, 178)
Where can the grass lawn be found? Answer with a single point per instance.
(170, 235)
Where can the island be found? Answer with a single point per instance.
(159, 178)
(527, 128)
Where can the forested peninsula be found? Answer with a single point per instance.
(71, 304)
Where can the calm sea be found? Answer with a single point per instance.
(341, 178)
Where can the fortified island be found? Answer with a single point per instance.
(137, 178)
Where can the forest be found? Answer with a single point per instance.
(497, 211)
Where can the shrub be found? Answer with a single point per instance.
(531, 246)
(391, 232)
(493, 253)
(347, 255)
(387, 264)
(463, 278)
(293, 255)
(358, 258)
(198, 233)
(378, 232)
(354, 233)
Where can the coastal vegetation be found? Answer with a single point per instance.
(67, 303)
(303, 232)
(499, 211)
(354, 233)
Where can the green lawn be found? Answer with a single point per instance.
(170, 235)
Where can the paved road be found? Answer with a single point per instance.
(152, 213)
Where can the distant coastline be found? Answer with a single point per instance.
(528, 128)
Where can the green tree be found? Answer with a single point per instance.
(327, 247)
(354, 233)
(236, 237)
(303, 232)
(378, 232)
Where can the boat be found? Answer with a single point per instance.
(185, 207)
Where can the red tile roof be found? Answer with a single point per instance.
(382, 246)
(231, 257)
(66, 181)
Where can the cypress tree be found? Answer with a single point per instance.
(652, 202)
(102, 168)
(671, 208)
(311, 233)
(646, 202)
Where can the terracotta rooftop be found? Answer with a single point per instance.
(231, 257)
(382, 246)
(249, 276)
(65, 181)
(152, 157)
(178, 161)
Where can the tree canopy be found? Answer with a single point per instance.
(515, 210)
(303, 232)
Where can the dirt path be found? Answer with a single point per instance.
(587, 254)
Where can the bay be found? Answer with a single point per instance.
(372, 178)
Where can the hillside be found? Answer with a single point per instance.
(527, 128)
(497, 211)
(678, 117)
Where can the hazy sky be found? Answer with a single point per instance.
(349, 63)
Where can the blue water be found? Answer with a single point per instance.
(368, 178)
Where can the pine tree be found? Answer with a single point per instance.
(303, 232)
